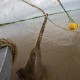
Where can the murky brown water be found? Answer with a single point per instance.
(59, 48)
(61, 62)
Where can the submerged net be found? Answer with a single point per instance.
(57, 24)
(23, 22)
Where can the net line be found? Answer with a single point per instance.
(54, 23)
(3, 24)
(70, 18)
(62, 43)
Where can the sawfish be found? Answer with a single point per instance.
(34, 69)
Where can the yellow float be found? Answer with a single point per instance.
(73, 26)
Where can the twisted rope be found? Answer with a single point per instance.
(7, 42)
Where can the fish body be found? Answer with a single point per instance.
(34, 69)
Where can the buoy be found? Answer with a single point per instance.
(73, 26)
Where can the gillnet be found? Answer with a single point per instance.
(22, 22)
(60, 32)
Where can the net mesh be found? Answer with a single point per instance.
(56, 25)
(22, 22)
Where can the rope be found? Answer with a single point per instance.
(65, 11)
(34, 6)
(7, 42)
(3, 24)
